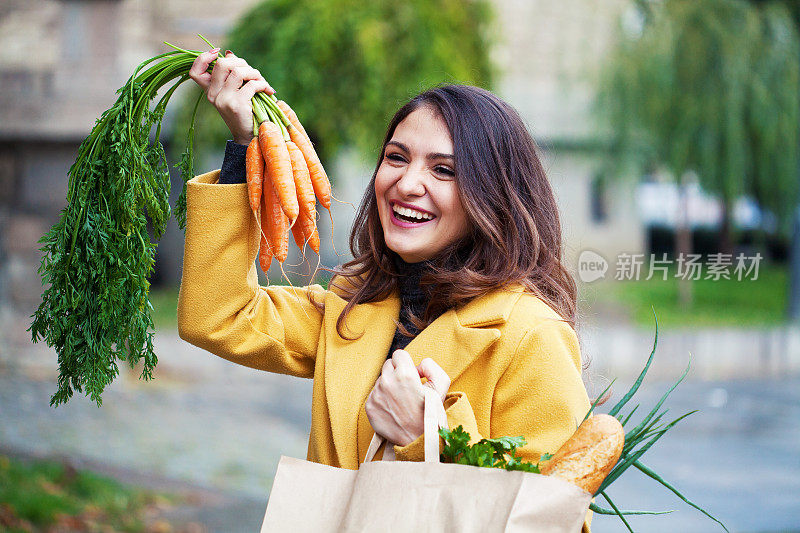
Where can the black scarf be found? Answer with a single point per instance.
(413, 300)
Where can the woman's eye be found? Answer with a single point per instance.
(445, 170)
(395, 157)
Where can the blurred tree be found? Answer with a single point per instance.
(710, 88)
(346, 66)
(793, 308)
(792, 5)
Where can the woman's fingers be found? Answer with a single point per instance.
(230, 88)
(250, 88)
(230, 73)
(222, 70)
(199, 71)
(437, 377)
(404, 365)
(237, 76)
(241, 76)
(388, 367)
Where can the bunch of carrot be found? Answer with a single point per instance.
(99, 256)
(284, 180)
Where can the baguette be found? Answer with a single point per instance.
(589, 454)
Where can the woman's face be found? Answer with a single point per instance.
(418, 201)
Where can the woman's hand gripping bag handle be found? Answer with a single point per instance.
(434, 418)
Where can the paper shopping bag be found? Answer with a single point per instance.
(401, 496)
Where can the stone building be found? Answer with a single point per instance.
(65, 59)
(550, 61)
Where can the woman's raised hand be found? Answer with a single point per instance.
(229, 87)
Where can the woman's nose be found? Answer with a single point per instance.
(411, 183)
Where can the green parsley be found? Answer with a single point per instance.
(494, 453)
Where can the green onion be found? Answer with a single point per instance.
(602, 510)
(641, 438)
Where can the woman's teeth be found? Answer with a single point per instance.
(411, 215)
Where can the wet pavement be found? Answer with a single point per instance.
(738, 458)
(220, 429)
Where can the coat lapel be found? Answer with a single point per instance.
(452, 345)
(454, 341)
(459, 336)
(352, 367)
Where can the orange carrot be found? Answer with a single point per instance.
(292, 116)
(265, 251)
(297, 233)
(301, 238)
(264, 255)
(278, 224)
(319, 179)
(307, 220)
(278, 168)
(254, 163)
(313, 241)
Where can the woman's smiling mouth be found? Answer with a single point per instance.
(406, 216)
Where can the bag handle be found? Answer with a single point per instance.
(434, 418)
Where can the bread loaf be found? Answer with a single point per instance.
(589, 454)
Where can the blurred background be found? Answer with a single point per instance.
(669, 130)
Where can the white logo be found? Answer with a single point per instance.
(591, 266)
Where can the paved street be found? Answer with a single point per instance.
(738, 457)
(222, 428)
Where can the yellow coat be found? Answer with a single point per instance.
(514, 366)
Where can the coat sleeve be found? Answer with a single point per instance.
(540, 396)
(221, 307)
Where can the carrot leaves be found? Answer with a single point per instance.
(97, 258)
(186, 167)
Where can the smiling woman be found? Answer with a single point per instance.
(462, 158)
(456, 278)
(418, 200)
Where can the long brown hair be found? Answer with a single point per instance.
(515, 232)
